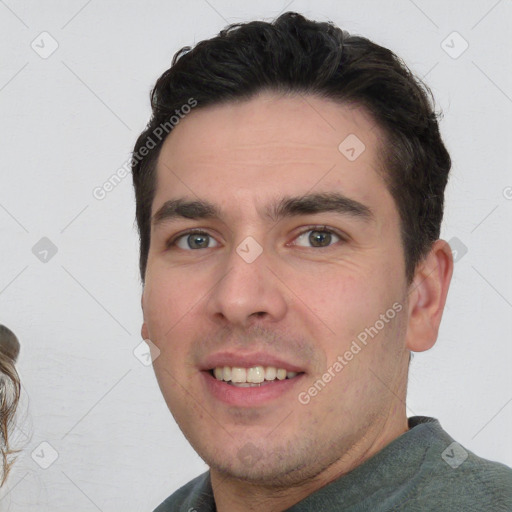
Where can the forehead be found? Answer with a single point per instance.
(272, 145)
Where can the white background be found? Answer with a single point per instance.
(69, 121)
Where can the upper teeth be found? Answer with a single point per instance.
(256, 374)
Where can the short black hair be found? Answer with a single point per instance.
(295, 55)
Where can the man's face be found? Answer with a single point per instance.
(323, 282)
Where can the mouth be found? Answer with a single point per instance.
(255, 376)
(249, 380)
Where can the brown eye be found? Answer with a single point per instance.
(320, 238)
(317, 238)
(195, 240)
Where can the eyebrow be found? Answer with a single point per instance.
(282, 208)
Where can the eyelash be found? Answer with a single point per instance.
(322, 228)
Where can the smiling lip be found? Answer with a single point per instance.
(247, 396)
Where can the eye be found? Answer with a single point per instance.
(194, 240)
(317, 237)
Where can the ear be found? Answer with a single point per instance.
(427, 297)
(144, 329)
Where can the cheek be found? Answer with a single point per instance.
(172, 291)
(342, 298)
(347, 303)
(168, 308)
(167, 299)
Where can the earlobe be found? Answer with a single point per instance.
(427, 296)
(144, 331)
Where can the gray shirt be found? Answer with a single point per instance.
(424, 469)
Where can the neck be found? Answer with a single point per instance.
(235, 495)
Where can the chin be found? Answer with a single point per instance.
(276, 468)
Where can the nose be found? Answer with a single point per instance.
(249, 290)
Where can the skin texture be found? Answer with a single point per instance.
(302, 303)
